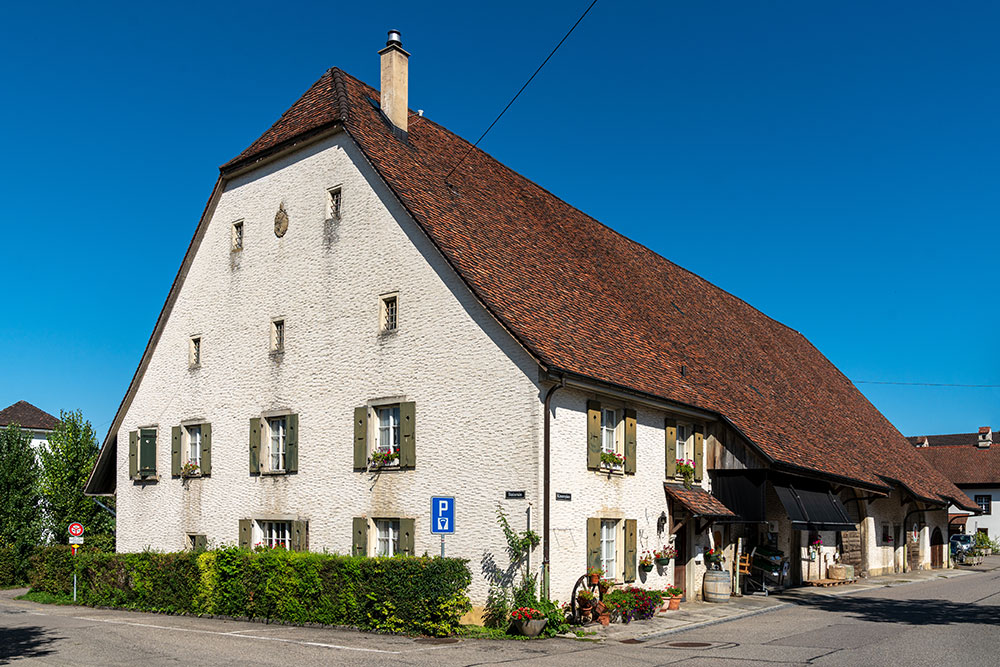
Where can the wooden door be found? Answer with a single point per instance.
(937, 549)
(680, 562)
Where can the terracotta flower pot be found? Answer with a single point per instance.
(675, 603)
(604, 618)
(594, 578)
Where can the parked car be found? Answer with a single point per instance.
(960, 545)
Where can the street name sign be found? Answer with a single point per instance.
(73, 539)
(443, 515)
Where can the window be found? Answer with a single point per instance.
(609, 548)
(275, 534)
(276, 427)
(984, 503)
(388, 429)
(684, 452)
(387, 537)
(237, 236)
(194, 444)
(194, 352)
(196, 542)
(277, 335)
(333, 199)
(609, 425)
(145, 451)
(389, 313)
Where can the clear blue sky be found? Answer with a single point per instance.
(833, 164)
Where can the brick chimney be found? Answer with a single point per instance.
(985, 436)
(395, 80)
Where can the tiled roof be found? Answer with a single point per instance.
(584, 299)
(966, 463)
(26, 415)
(698, 501)
(950, 439)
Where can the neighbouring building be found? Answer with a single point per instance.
(972, 462)
(34, 420)
(372, 313)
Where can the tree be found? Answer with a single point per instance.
(20, 504)
(66, 463)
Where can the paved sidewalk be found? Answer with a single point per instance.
(697, 614)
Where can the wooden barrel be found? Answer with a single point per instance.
(717, 586)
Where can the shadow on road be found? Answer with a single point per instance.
(911, 612)
(29, 642)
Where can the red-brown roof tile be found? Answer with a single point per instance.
(26, 415)
(584, 299)
(965, 464)
(698, 501)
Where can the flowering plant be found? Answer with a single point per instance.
(713, 556)
(646, 560)
(673, 592)
(818, 542)
(612, 459)
(380, 458)
(190, 469)
(594, 571)
(666, 551)
(526, 614)
(685, 468)
(585, 594)
(260, 546)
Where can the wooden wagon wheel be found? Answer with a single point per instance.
(585, 582)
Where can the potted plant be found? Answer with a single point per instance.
(190, 469)
(675, 595)
(646, 561)
(381, 458)
(664, 554)
(713, 559)
(605, 585)
(595, 574)
(685, 468)
(585, 600)
(612, 459)
(528, 621)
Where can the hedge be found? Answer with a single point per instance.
(401, 594)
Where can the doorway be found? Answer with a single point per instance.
(937, 549)
(680, 561)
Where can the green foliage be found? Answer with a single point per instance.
(632, 603)
(496, 612)
(982, 541)
(46, 598)
(66, 463)
(401, 594)
(20, 504)
(506, 591)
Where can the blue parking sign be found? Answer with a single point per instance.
(442, 514)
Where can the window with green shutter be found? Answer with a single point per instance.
(630, 549)
(593, 435)
(391, 439)
(359, 539)
(147, 452)
(255, 446)
(670, 449)
(133, 454)
(630, 441)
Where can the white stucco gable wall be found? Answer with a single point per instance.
(477, 400)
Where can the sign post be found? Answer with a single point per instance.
(75, 540)
(442, 517)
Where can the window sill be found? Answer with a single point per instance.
(193, 367)
(273, 473)
(387, 333)
(148, 479)
(276, 354)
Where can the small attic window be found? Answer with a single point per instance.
(277, 336)
(237, 236)
(389, 312)
(333, 200)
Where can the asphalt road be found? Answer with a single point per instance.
(939, 622)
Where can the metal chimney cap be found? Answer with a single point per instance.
(393, 38)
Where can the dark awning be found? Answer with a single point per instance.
(698, 502)
(813, 507)
(742, 491)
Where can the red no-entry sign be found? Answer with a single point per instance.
(76, 529)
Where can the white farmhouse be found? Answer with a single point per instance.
(373, 313)
(36, 421)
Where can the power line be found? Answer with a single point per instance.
(930, 384)
(587, 11)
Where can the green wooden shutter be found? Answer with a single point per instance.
(407, 541)
(147, 452)
(292, 444)
(699, 451)
(670, 431)
(630, 418)
(175, 451)
(255, 446)
(361, 438)
(246, 533)
(200, 542)
(593, 435)
(206, 449)
(133, 454)
(360, 540)
(300, 536)
(630, 530)
(594, 543)
(407, 435)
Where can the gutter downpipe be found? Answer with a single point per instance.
(546, 483)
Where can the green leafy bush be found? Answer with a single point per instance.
(401, 594)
